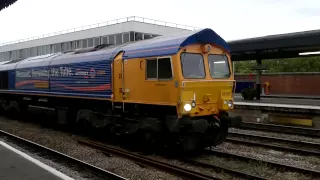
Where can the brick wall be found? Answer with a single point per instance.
(288, 83)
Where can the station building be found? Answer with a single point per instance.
(117, 31)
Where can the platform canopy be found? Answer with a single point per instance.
(276, 46)
(6, 3)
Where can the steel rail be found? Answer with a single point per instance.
(281, 128)
(225, 169)
(308, 148)
(139, 159)
(313, 173)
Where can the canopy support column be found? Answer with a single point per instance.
(258, 84)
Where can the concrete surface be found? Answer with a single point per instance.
(16, 165)
(269, 100)
(285, 96)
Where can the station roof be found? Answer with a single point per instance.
(275, 46)
(6, 3)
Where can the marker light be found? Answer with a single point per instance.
(193, 104)
(187, 107)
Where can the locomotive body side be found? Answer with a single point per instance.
(142, 84)
(74, 76)
(91, 78)
(33, 74)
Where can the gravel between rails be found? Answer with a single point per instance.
(253, 168)
(67, 144)
(311, 162)
(296, 159)
(280, 135)
(210, 171)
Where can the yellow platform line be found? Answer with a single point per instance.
(291, 120)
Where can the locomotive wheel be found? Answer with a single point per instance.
(223, 130)
(80, 126)
(12, 110)
(146, 140)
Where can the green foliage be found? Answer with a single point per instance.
(305, 64)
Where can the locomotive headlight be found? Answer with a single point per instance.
(229, 103)
(187, 107)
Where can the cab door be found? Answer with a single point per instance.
(117, 78)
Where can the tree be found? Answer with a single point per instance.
(301, 64)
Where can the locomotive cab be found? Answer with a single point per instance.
(207, 82)
(206, 92)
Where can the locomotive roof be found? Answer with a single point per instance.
(158, 46)
(69, 58)
(9, 65)
(170, 44)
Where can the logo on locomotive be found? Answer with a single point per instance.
(86, 74)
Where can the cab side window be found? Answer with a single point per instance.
(164, 68)
(151, 69)
(159, 68)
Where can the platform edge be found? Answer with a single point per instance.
(37, 162)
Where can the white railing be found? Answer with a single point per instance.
(107, 23)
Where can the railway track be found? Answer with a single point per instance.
(139, 159)
(314, 173)
(233, 172)
(304, 147)
(80, 166)
(281, 128)
(176, 170)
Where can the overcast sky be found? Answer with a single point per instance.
(232, 19)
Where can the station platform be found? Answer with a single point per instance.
(293, 111)
(291, 96)
(273, 101)
(15, 164)
(286, 96)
